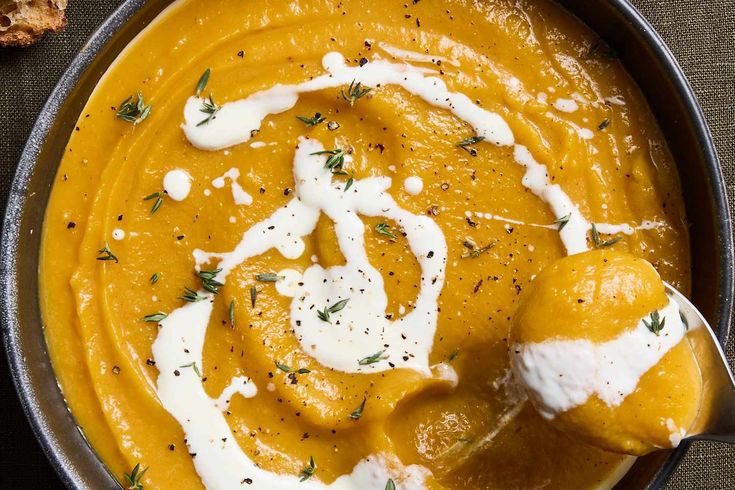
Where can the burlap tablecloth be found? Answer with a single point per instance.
(701, 34)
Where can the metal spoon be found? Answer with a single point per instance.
(716, 419)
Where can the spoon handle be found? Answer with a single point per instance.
(716, 420)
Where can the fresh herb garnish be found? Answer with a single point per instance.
(328, 310)
(599, 243)
(467, 144)
(132, 480)
(211, 108)
(191, 296)
(335, 161)
(605, 123)
(282, 367)
(308, 470)
(106, 254)
(203, 80)
(209, 283)
(390, 485)
(384, 229)
(312, 121)
(134, 111)
(354, 92)
(193, 365)
(349, 183)
(562, 222)
(357, 413)
(474, 250)
(253, 295)
(656, 324)
(231, 313)
(158, 196)
(268, 277)
(287, 369)
(377, 357)
(155, 317)
(453, 355)
(155, 277)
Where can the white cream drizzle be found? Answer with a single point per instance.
(238, 384)
(604, 228)
(563, 374)
(241, 197)
(236, 121)
(177, 184)
(627, 229)
(536, 179)
(220, 462)
(360, 329)
(413, 185)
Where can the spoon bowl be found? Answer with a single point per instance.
(716, 419)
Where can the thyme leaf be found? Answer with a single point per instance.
(193, 365)
(473, 250)
(133, 480)
(191, 296)
(357, 413)
(312, 121)
(106, 254)
(604, 124)
(467, 144)
(335, 161)
(155, 317)
(599, 243)
(288, 369)
(155, 277)
(211, 108)
(349, 183)
(268, 277)
(253, 295)
(384, 229)
(563, 221)
(209, 283)
(377, 357)
(158, 196)
(324, 315)
(390, 485)
(354, 91)
(134, 111)
(656, 324)
(282, 367)
(308, 470)
(203, 80)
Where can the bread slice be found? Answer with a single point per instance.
(23, 22)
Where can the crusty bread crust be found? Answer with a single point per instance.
(23, 22)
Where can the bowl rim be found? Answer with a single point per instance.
(9, 320)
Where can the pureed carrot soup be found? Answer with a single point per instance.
(291, 256)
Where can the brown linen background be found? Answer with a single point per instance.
(701, 34)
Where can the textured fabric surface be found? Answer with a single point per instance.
(701, 34)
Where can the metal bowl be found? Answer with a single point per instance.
(642, 51)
